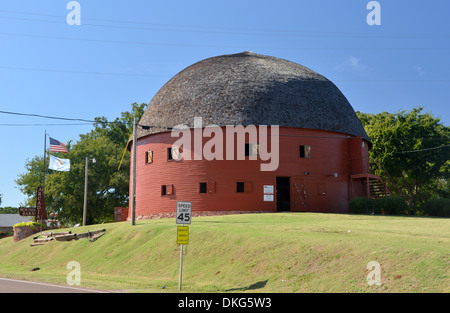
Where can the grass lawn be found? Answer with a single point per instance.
(279, 252)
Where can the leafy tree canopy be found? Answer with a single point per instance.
(108, 187)
(413, 150)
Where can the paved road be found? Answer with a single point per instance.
(21, 286)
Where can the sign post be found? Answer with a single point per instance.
(182, 235)
(41, 213)
(40, 205)
(27, 211)
(184, 213)
(184, 210)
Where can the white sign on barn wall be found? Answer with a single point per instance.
(268, 189)
(268, 193)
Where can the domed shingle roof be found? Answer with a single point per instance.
(251, 89)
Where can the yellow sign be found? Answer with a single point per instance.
(182, 235)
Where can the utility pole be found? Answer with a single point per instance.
(133, 184)
(86, 189)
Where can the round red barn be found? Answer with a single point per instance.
(322, 161)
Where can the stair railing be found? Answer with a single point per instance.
(381, 168)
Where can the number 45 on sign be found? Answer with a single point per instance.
(184, 210)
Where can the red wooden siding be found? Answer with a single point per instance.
(317, 184)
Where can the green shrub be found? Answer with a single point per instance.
(437, 207)
(389, 206)
(377, 206)
(360, 206)
(393, 206)
(30, 224)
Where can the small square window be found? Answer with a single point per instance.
(149, 157)
(240, 186)
(247, 149)
(203, 188)
(173, 153)
(251, 149)
(211, 187)
(167, 190)
(305, 151)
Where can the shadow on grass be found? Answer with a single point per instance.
(258, 285)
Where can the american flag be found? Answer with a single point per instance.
(57, 146)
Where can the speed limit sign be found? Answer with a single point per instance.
(184, 210)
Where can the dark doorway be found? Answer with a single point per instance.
(283, 194)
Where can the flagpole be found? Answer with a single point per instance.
(45, 159)
(43, 172)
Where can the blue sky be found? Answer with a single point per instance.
(124, 51)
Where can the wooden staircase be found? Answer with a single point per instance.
(378, 189)
(374, 186)
(367, 185)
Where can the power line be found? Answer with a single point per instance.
(167, 76)
(146, 127)
(51, 117)
(298, 34)
(172, 30)
(31, 125)
(422, 150)
(78, 72)
(218, 46)
(159, 24)
(232, 30)
(413, 138)
(68, 119)
(135, 42)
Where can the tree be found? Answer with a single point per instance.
(108, 187)
(414, 150)
(9, 210)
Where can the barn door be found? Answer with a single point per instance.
(298, 192)
(283, 194)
